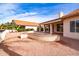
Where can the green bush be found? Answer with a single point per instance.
(37, 28)
(29, 29)
(21, 28)
(12, 26)
(41, 29)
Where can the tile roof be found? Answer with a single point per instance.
(25, 23)
(71, 14)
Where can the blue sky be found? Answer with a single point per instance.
(34, 12)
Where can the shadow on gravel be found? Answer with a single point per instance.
(8, 51)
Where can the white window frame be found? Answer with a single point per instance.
(75, 25)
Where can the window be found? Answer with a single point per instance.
(77, 26)
(74, 26)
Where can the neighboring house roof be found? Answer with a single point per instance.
(25, 23)
(71, 14)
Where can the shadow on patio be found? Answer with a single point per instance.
(9, 52)
(72, 43)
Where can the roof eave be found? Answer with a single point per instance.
(65, 17)
(52, 21)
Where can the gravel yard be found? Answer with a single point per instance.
(15, 46)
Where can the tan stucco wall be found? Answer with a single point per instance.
(66, 28)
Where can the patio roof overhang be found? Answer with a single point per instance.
(51, 21)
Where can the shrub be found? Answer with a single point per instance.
(37, 28)
(29, 29)
(41, 29)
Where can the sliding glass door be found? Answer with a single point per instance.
(59, 27)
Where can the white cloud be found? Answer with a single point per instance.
(8, 11)
(18, 16)
(32, 16)
(25, 14)
(35, 18)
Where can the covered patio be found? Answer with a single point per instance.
(52, 27)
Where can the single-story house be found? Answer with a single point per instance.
(26, 24)
(67, 25)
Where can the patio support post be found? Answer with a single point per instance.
(51, 29)
(43, 28)
(39, 28)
